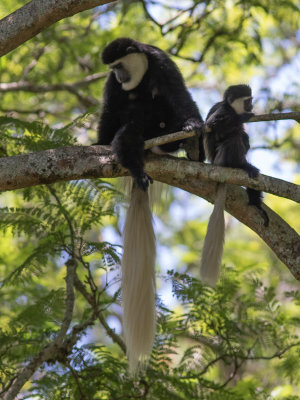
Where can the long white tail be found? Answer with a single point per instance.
(138, 280)
(214, 240)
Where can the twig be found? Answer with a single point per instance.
(111, 333)
(66, 216)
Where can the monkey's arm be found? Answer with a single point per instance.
(108, 126)
(221, 119)
(246, 142)
(109, 120)
(128, 144)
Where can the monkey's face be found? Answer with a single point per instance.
(242, 105)
(248, 104)
(130, 69)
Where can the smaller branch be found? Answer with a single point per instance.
(173, 137)
(38, 111)
(34, 62)
(70, 301)
(66, 216)
(276, 117)
(57, 87)
(77, 380)
(277, 354)
(32, 87)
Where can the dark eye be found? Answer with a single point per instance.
(248, 104)
(116, 66)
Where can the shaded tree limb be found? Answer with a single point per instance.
(76, 162)
(34, 88)
(73, 88)
(37, 15)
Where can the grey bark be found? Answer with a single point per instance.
(37, 15)
(97, 161)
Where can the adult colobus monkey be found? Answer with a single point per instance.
(145, 97)
(226, 144)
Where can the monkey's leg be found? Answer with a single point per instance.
(128, 145)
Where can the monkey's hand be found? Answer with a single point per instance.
(143, 181)
(193, 124)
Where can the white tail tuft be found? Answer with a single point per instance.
(138, 280)
(157, 191)
(214, 240)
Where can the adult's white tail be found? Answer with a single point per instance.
(138, 280)
(214, 240)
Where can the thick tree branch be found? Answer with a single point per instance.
(97, 161)
(37, 15)
(78, 162)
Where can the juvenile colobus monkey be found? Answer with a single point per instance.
(226, 144)
(144, 97)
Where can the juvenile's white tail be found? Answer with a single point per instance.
(138, 280)
(214, 240)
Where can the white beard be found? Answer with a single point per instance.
(136, 65)
(238, 104)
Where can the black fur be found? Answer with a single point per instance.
(159, 105)
(227, 143)
(119, 48)
(235, 91)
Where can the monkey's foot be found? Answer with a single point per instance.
(253, 172)
(143, 181)
(263, 214)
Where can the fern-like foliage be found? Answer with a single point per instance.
(206, 349)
